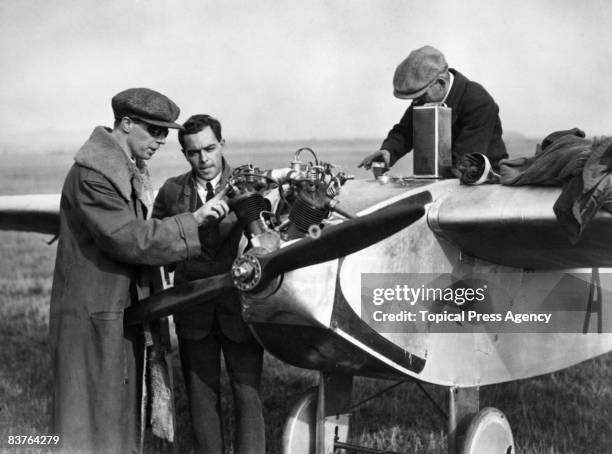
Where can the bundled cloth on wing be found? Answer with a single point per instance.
(475, 168)
(583, 167)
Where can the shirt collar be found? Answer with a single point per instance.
(450, 85)
(214, 182)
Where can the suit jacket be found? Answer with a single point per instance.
(476, 127)
(219, 249)
(103, 240)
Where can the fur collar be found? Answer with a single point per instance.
(103, 154)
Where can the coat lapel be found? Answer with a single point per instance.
(192, 200)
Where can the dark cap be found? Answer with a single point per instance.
(146, 105)
(414, 75)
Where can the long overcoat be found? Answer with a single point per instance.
(103, 240)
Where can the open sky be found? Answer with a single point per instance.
(297, 69)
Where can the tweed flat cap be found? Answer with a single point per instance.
(146, 105)
(413, 75)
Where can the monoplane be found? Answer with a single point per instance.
(322, 256)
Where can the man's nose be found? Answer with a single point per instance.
(161, 140)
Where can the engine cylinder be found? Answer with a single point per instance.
(248, 210)
(303, 215)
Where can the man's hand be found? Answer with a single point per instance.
(213, 210)
(377, 156)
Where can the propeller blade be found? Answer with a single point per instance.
(335, 241)
(186, 295)
(346, 238)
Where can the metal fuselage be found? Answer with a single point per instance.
(312, 317)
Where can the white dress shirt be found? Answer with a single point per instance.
(201, 186)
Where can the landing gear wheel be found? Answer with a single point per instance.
(488, 433)
(299, 433)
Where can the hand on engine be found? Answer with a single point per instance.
(377, 156)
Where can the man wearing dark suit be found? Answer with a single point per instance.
(424, 77)
(206, 330)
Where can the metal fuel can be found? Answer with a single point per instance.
(432, 141)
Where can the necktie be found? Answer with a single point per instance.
(210, 192)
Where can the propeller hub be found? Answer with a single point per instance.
(246, 272)
(243, 271)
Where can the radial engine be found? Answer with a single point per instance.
(280, 205)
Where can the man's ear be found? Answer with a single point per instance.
(126, 124)
(222, 142)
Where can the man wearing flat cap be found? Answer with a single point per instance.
(424, 77)
(106, 240)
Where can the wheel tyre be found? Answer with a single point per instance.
(488, 433)
(299, 433)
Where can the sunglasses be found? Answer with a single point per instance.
(157, 132)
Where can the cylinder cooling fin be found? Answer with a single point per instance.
(303, 215)
(248, 209)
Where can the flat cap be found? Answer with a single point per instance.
(146, 105)
(413, 75)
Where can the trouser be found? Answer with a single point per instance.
(201, 364)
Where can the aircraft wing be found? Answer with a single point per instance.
(30, 213)
(516, 226)
(512, 226)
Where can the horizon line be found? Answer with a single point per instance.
(28, 145)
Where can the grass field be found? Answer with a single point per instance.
(566, 412)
